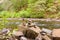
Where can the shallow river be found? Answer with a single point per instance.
(41, 24)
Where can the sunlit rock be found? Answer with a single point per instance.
(32, 32)
(23, 38)
(39, 37)
(22, 28)
(56, 34)
(45, 37)
(17, 33)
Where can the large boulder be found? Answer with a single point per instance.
(35, 29)
(32, 32)
(56, 34)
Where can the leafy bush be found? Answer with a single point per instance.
(24, 14)
(37, 15)
(29, 8)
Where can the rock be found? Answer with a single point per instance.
(56, 33)
(22, 28)
(56, 38)
(47, 31)
(35, 29)
(22, 25)
(29, 24)
(30, 39)
(32, 32)
(17, 33)
(45, 37)
(39, 37)
(23, 38)
(5, 31)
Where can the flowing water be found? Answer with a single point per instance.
(41, 24)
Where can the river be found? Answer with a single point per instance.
(46, 23)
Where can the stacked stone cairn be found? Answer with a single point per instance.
(31, 32)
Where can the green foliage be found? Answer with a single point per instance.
(1, 8)
(24, 14)
(29, 8)
(18, 5)
(7, 14)
(31, 1)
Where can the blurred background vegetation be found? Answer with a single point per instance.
(30, 8)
